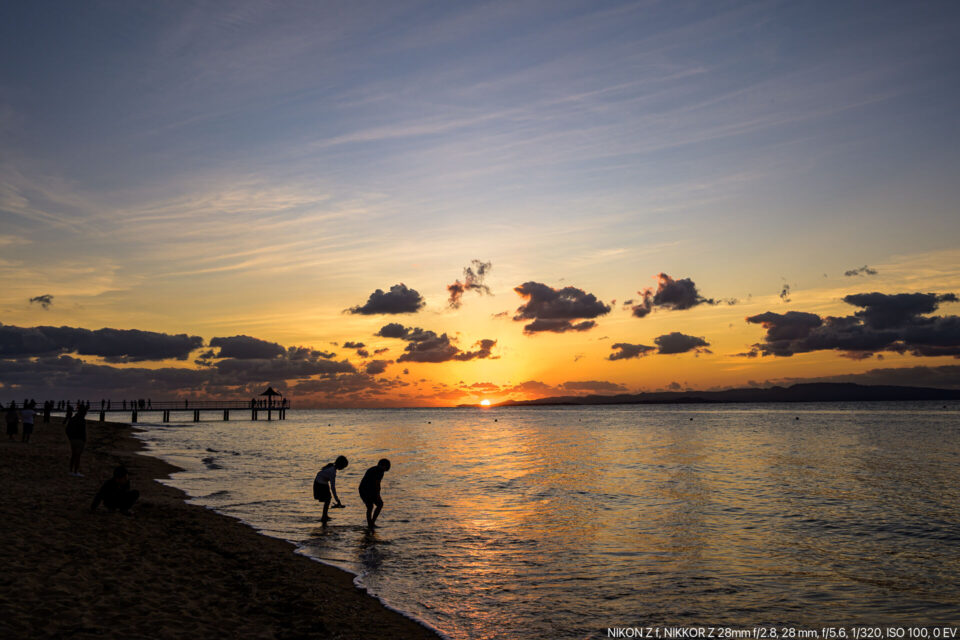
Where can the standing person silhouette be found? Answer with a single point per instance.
(77, 433)
(13, 420)
(27, 416)
(326, 482)
(370, 490)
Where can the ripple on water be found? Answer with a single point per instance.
(560, 522)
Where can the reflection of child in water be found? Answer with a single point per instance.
(370, 490)
(326, 482)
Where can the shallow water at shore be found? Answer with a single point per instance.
(564, 521)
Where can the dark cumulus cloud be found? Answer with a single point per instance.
(627, 351)
(882, 311)
(676, 342)
(400, 299)
(555, 310)
(348, 389)
(376, 367)
(667, 344)
(359, 346)
(246, 348)
(303, 353)
(44, 301)
(675, 295)
(884, 322)
(427, 346)
(114, 345)
(473, 278)
(593, 386)
(266, 369)
(860, 271)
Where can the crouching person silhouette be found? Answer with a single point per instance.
(325, 483)
(370, 490)
(116, 493)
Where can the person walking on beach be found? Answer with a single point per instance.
(13, 420)
(116, 493)
(27, 415)
(77, 433)
(326, 483)
(370, 490)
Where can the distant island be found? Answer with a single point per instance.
(804, 392)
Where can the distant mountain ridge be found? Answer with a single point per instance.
(802, 392)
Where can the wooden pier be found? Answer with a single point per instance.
(198, 407)
(272, 403)
(269, 410)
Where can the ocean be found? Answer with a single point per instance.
(564, 522)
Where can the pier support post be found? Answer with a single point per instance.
(269, 414)
(253, 414)
(133, 416)
(103, 415)
(196, 415)
(226, 414)
(166, 415)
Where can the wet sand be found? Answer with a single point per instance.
(171, 570)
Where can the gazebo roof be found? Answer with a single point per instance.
(271, 392)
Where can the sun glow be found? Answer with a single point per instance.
(484, 403)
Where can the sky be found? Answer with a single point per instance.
(435, 203)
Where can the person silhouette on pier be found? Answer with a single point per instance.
(370, 490)
(325, 483)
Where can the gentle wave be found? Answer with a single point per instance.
(562, 522)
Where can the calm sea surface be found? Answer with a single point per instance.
(562, 522)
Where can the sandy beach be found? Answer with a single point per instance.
(171, 570)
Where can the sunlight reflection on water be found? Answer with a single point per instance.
(561, 522)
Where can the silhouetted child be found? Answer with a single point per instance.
(370, 490)
(116, 493)
(326, 482)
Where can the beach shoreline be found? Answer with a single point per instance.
(172, 570)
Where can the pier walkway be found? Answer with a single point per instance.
(257, 408)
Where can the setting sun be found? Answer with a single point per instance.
(484, 403)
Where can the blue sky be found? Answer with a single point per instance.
(315, 151)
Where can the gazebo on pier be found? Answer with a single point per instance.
(274, 402)
(271, 393)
